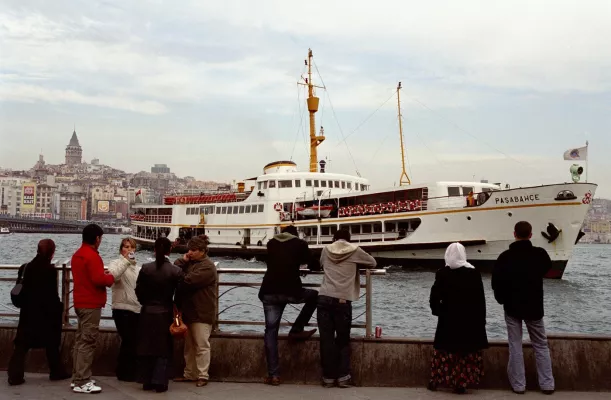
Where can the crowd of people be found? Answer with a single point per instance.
(147, 298)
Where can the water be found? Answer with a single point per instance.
(579, 303)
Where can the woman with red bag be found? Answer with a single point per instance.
(155, 289)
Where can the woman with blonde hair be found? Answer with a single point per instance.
(126, 308)
(457, 299)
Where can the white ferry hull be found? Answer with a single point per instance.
(486, 230)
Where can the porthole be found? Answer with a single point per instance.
(479, 251)
(510, 214)
(469, 218)
(446, 219)
(219, 232)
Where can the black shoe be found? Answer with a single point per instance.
(148, 386)
(16, 382)
(161, 388)
(548, 391)
(301, 336)
(432, 387)
(518, 391)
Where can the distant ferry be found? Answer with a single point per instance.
(4, 230)
(405, 225)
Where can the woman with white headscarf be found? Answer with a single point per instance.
(457, 299)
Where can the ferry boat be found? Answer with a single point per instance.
(407, 225)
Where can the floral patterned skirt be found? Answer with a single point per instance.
(455, 370)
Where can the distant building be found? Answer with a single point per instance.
(74, 153)
(10, 195)
(160, 169)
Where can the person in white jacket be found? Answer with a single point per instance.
(126, 308)
(340, 287)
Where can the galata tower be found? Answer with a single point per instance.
(74, 152)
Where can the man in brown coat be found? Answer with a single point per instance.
(197, 302)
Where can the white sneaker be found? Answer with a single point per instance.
(72, 385)
(89, 387)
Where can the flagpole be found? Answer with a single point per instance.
(587, 156)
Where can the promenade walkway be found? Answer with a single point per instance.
(39, 387)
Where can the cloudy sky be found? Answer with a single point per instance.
(493, 90)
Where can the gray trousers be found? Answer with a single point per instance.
(538, 339)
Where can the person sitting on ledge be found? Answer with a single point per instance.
(457, 299)
(286, 253)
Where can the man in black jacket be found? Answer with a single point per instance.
(286, 253)
(517, 281)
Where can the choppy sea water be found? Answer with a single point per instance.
(579, 303)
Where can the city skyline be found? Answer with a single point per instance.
(211, 91)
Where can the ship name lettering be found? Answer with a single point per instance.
(517, 199)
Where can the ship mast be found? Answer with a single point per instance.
(312, 108)
(404, 180)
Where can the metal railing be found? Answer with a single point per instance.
(65, 291)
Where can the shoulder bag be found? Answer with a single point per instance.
(17, 291)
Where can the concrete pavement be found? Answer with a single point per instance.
(38, 386)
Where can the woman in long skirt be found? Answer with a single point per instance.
(155, 289)
(457, 298)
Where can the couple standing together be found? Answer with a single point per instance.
(288, 257)
(457, 298)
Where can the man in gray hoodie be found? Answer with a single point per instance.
(340, 287)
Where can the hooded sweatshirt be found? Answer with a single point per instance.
(285, 253)
(340, 262)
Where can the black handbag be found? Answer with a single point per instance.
(16, 292)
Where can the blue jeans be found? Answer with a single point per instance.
(273, 307)
(538, 339)
(334, 321)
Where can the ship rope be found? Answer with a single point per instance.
(300, 126)
(460, 129)
(369, 117)
(341, 131)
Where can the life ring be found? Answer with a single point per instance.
(278, 207)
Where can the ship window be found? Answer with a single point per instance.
(330, 184)
(343, 184)
(308, 182)
(453, 191)
(414, 224)
(363, 187)
(265, 185)
(323, 183)
(333, 229)
(349, 185)
(260, 185)
(229, 210)
(316, 183)
(366, 228)
(272, 184)
(355, 229)
(337, 184)
(297, 182)
(377, 227)
(389, 226)
(235, 209)
(319, 192)
(261, 207)
(218, 210)
(324, 230)
(247, 209)
(466, 190)
(224, 210)
(285, 184)
(241, 209)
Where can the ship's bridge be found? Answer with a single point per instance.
(283, 182)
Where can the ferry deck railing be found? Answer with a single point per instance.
(65, 292)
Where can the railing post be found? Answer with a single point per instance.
(368, 321)
(65, 294)
(215, 327)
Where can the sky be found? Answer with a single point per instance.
(492, 90)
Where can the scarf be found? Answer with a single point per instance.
(456, 256)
